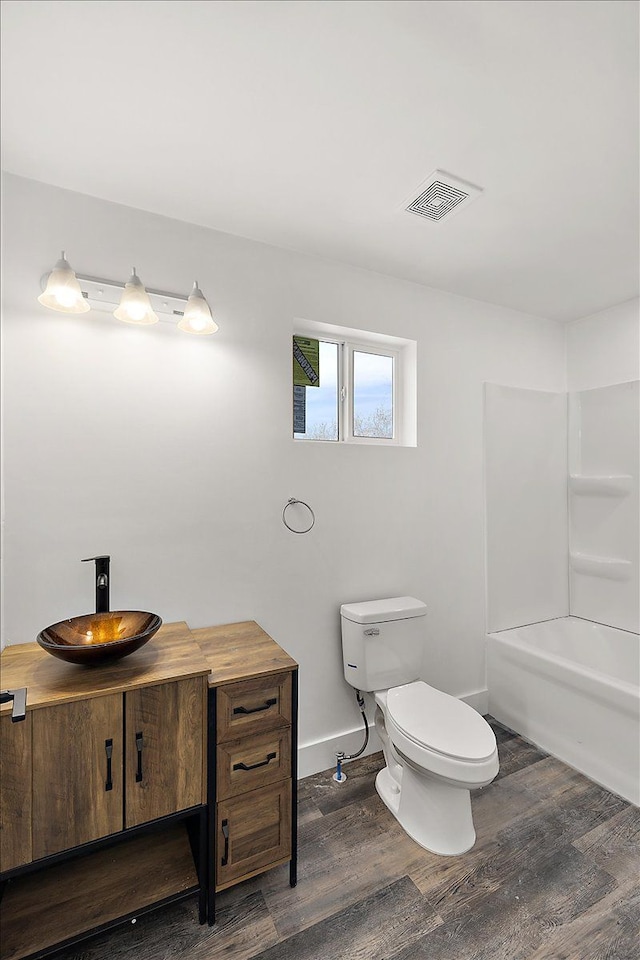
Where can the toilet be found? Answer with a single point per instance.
(436, 748)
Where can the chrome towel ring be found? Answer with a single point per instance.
(290, 503)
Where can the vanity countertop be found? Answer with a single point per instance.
(172, 654)
(234, 651)
(228, 652)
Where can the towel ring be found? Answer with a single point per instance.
(290, 502)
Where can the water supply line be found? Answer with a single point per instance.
(340, 776)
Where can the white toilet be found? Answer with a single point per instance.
(436, 748)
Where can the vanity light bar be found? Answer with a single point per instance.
(67, 292)
(106, 294)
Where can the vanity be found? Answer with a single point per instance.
(128, 786)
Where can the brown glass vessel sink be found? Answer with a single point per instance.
(97, 637)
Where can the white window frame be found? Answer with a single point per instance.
(347, 398)
(345, 387)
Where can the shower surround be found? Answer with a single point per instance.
(563, 603)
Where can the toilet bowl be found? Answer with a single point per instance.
(436, 748)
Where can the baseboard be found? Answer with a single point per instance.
(319, 755)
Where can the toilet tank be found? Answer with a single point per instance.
(382, 642)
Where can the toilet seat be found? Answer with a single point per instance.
(441, 723)
(440, 734)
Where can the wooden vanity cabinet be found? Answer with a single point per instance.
(168, 773)
(103, 791)
(253, 697)
(83, 769)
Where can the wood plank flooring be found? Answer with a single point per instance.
(554, 875)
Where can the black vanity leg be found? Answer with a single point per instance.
(293, 865)
(203, 866)
(211, 807)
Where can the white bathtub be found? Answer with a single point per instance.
(572, 687)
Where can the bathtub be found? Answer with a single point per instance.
(572, 687)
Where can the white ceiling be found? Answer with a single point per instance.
(307, 123)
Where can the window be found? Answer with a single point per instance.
(359, 396)
(315, 409)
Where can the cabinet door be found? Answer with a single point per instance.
(253, 833)
(15, 792)
(165, 736)
(77, 773)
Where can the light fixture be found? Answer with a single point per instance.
(197, 314)
(135, 306)
(62, 291)
(130, 302)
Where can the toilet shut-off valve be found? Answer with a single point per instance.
(340, 776)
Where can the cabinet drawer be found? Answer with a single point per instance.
(253, 833)
(252, 762)
(250, 706)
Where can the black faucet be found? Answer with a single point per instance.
(102, 582)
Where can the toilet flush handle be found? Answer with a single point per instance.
(372, 632)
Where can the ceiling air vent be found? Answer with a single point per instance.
(441, 195)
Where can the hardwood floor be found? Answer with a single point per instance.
(554, 875)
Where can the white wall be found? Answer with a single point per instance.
(604, 348)
(175, 455)
(526, 506)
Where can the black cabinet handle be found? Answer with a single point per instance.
(108, 747)
(253, 766)
(139, 746)
(225, 834)
(264, 706)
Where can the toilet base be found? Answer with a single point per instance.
(435, 814)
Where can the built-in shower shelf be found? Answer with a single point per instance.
(613, 485)
(611, 568)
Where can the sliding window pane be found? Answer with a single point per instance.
(372, 395)
(317, 407)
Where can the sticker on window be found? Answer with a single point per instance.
(306, 362)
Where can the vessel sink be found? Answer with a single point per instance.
(98, 637)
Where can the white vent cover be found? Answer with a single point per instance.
(440, 196)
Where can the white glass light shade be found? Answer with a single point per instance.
(197, 314)
(63, 291)
(135, 306)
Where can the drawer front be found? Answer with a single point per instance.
(253, 762)
(253, 833)
(251, 706)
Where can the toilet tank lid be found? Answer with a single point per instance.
(379, 611)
